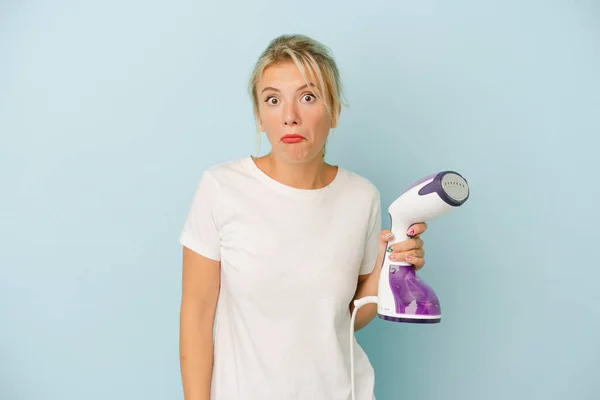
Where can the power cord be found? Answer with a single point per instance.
(357, 304)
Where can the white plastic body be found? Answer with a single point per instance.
(406, 210)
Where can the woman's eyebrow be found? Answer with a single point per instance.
(277, 90)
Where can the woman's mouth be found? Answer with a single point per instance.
(292, 138)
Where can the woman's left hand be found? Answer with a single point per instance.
(409, 250)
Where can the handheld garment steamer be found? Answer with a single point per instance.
(402, 296)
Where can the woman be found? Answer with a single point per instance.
(285, 242)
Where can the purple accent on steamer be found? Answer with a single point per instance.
(410, 320)
(412, 296)
(419, 182)
(435, 186)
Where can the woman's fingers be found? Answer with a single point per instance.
(406, 245)
(416, 229)
(416, 257)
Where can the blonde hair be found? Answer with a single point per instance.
(314, 60)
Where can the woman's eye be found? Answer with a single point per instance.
(272, 100)
(309, 97)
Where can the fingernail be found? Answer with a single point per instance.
(408, 258)
(388, 236)
(392, 257)
(411, 231)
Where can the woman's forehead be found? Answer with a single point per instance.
(283, 77)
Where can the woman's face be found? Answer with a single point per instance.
(288, 107)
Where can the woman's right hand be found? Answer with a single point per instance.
(409, 250)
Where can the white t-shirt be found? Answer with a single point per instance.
(290, 260)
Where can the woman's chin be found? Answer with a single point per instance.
(298, 153)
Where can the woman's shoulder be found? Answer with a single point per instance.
(227, 169)
(358, 179)
(360, 183)
(219, 174)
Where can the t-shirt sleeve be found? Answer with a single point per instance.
(372, 238)
(200, 231)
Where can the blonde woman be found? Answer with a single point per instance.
(277, 247)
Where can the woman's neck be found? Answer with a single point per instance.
(313, 174)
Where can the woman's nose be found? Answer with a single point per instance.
(291, 116)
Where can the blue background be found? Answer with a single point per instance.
(110, 111)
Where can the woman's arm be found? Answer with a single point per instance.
(200, 290)
(368, 285)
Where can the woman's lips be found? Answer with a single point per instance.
(292, 138)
